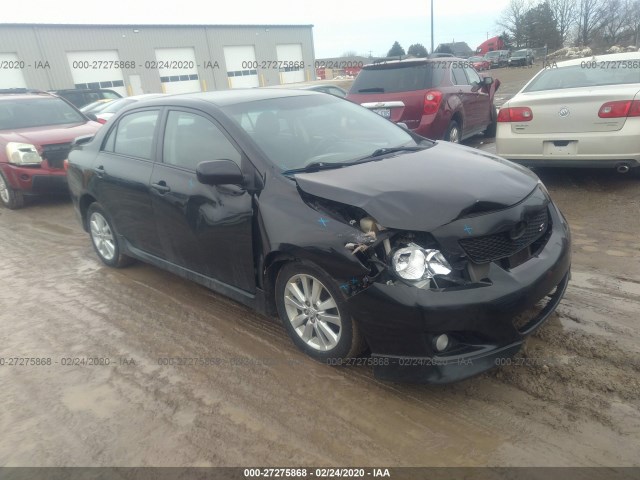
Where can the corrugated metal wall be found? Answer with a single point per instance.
(37, 44)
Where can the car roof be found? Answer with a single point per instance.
(231, 97)
(416, 61)
(612, 57)
(82, 90)
(23, 93)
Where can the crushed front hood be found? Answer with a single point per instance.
(426, 189)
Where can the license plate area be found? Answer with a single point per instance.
(383, 112)
(560, 147)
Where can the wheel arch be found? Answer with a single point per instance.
(84, 203)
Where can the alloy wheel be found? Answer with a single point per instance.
(102, 236)
(4, 190)
(312, 312)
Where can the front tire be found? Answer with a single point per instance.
(453, 133)
(10, 198)
(493, 126)
(314, 313)
(103, 237)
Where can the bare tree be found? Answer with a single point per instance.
(614, 20)
(565, 14)
(513, 20)
(589, 20)
(633, 21)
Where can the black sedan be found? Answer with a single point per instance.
(437, 258)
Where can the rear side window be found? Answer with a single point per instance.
(398, 78)
(133, 136)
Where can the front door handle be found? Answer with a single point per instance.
(99, 171)
(161, 186)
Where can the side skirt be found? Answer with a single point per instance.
(256, 301)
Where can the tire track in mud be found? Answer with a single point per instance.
(283, 408)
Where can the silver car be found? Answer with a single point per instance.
(577, 113)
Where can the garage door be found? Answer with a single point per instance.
(97, 69)
(178, 70)
(11, 68)
(292, 54)
(241, 64)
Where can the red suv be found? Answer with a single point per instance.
(36, 131)
(442, 98)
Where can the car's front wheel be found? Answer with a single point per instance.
(453, 132)
(10, 197)
(103, 237)
(315, 314)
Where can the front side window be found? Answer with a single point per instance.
(190, 139)
(134, 134)
(472, 75)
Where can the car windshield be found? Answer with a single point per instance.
(492, 54)
(475, 59)
(37, 112)
(398, 77)
(576, 76)
(295, 132)
(519, 53)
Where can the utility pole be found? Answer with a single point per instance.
(431, 26)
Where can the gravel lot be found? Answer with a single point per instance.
(571, 398)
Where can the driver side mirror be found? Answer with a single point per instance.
(219, 172)
(486, 81)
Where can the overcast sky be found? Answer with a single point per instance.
(339, 25)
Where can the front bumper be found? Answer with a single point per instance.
(35, 180)
(401, 322)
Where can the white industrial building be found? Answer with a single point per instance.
(136, 59)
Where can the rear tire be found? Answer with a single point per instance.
(104, 238)
(453, 133)
(315, 314)
(10, 198)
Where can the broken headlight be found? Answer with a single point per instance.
(23, 154)
(419, 265)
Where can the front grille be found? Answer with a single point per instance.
(500, 245)
(56, 154)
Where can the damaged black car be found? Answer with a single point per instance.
(437, 259)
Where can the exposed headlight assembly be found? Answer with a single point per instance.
(23, 154)
(419, 265)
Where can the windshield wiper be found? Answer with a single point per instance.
(383, 151)
(314, 167)
(371, 90)
(376, 155)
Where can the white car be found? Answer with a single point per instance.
(114, 107)
(582, 113)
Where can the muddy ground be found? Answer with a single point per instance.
(571, 398)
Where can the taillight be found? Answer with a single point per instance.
(102, 121)
(620, 108)
(515, 114)
(432, 101)
(65, 164)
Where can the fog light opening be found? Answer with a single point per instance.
(25, 177)
(441, 342)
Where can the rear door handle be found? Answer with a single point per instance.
(161, 186)
(99, 171)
